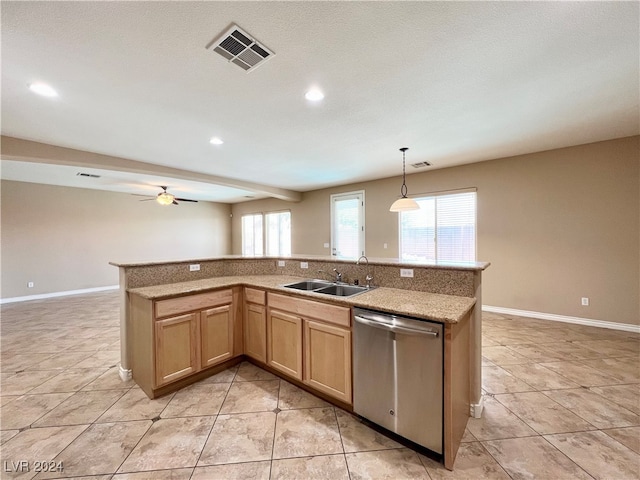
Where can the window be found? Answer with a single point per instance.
(252, 235)
(443, 230)
(270, 233)
(278, 227)
(347, 225)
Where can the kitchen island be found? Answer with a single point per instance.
(166, 317)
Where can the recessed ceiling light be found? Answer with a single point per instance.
(216, 141)
(314, 95)
(42, 89)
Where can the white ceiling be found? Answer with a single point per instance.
(456, 82)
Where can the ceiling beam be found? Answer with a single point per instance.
(28, 151)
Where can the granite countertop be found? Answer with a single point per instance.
(475, 266)
(428, 306)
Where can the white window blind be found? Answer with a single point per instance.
(252, 235)
(444, 229)
(278, 227)
(270, 233)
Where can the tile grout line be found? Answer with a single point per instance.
(134, 447)
(215, 420)
(275, 426)
(69, 398)
(532, 428)
(344, 451)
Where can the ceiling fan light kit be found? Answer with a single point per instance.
(166, 198)
(404, 203)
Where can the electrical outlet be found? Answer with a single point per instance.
(385, 245)
(585, 301)
(281, 263)
(326, 245)
(406, 272)
(194, 268)
(29, 284)
(304, 265)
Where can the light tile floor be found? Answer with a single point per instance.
(561, 402)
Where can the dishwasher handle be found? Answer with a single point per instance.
(394, 328)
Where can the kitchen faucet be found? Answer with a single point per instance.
(338, 278)
(369, 277)
(338, 275)
(365, 258)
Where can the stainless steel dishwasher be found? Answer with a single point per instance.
(398, 374)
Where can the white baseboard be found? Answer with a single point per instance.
(563, 318)
(125, 374)
(476, 408)
(57, 294)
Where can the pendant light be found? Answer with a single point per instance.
(404, 203)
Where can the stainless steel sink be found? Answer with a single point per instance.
(342, 290)
(309, 285)
(327, 288)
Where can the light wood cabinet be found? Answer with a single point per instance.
(314, 335)
(255, 339)
(284, 343)
(216, 335)
(255, 325)
(327, 356)
(176, 348)
(175, 338)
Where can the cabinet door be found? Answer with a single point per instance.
(216, 335)
(177, 348)
(284, 343)
(255, 332)
(328, 359)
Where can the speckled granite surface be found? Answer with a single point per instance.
(473, 266)
(431, 306)
(433, 279)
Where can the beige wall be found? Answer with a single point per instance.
(64, 238)
(556, 226)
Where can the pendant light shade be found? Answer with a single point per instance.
(404, 203)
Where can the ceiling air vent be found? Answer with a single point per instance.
(239, 48)
(420, 164)
(90, 175)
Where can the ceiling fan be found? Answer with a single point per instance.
(166, 198)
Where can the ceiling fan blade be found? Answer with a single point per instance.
(187, 200)
(147, 199)
(175, 203)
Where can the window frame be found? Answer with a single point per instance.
(263, 240)
(359, 194)
(435, 195)
(266, 233)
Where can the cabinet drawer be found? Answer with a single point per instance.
(190, 303)
(252, 295)
(309, 308)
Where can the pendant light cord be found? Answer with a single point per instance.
(403, 188)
